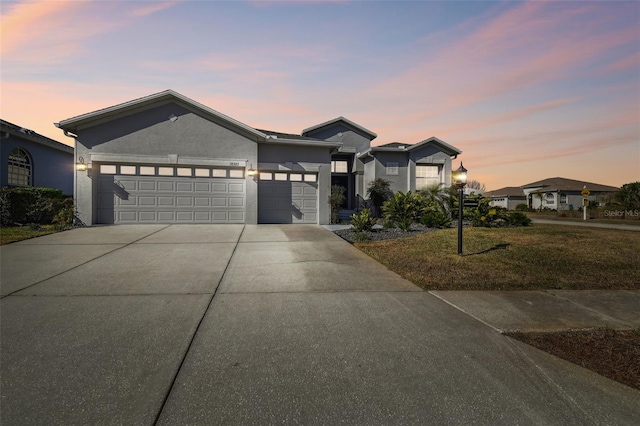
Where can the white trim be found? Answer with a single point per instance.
(151, 159)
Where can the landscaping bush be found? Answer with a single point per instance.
(30, 205)
(522, 207)
(378, 192)
(518, 219)
(362, 221)
(336, 199)
(403, 209)
(435, 219)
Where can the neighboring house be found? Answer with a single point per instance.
(508, 197)
(165, 158)
(31, 159)
(562, 194)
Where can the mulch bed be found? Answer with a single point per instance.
(611, 353)
(380, 234)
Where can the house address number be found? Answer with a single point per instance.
(232, 163)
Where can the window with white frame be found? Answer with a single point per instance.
(339, 166)
(549, 196)
(19, 168)
(427, 176)
(563, 198)
(392, 168)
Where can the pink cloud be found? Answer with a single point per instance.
(153, 8)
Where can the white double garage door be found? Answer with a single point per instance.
(179, 194)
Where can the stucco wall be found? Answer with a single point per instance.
(150, 133)
(339, 132)
(398, 182)
(50, 167)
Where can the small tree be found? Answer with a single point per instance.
(629, 196)
(336, 199)
(378, 192)
(474, 184)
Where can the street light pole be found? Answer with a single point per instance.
(460, 180)
(460, 203)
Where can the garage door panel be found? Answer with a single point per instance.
(147, 186)
(202, 187)
(157, 199)
(202, 201)
(184, 186)
(236, 187)
(147, 200)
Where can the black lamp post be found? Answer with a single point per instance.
(460, 180)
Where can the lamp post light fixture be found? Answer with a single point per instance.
(460, 180)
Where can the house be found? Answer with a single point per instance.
(562, 194)
(31, 159)
(165, 158)
(508, 197)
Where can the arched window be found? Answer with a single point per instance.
(19, 168)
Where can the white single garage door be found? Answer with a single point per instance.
(287, 197)
(170, 194)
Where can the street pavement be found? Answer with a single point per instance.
(248, 324)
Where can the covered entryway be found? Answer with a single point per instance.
(170, 194)
(287, 197)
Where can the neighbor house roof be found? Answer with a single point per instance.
(106, 114)
(508, 191)
(371, 135)
(406, 147)
(563, 184)
(32, 136)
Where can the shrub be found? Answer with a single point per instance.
(518, 219)
(65, 213)
(403, 209)
(29, 205)
(362, 221)
(378, 192)
(435, 219)
(522, 207)
(336, 199)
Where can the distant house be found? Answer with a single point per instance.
(553, 193)
(165, 158)
(28, 158)
(508, 197)
(562, 194)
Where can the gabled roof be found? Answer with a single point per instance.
(91, 118)
(405, 147)
(563, 184)
(508, 191)
(290, 138)
(358, 128)
(32, 136)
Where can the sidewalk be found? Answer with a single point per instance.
(550, 310)
(588, 224)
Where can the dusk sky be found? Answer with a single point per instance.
(527, 90)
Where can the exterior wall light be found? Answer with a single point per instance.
(460, 180)
(81, 166)
(251, 171)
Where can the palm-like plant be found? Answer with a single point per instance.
(378, 192)
(437, 198)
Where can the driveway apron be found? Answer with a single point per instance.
(247, 324)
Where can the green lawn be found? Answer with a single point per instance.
(12, 234)
(531, 258)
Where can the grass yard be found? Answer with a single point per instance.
(12, 234)
(537, 257)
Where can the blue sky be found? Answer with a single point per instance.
(527, 90)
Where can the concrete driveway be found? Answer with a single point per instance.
(218, 324)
